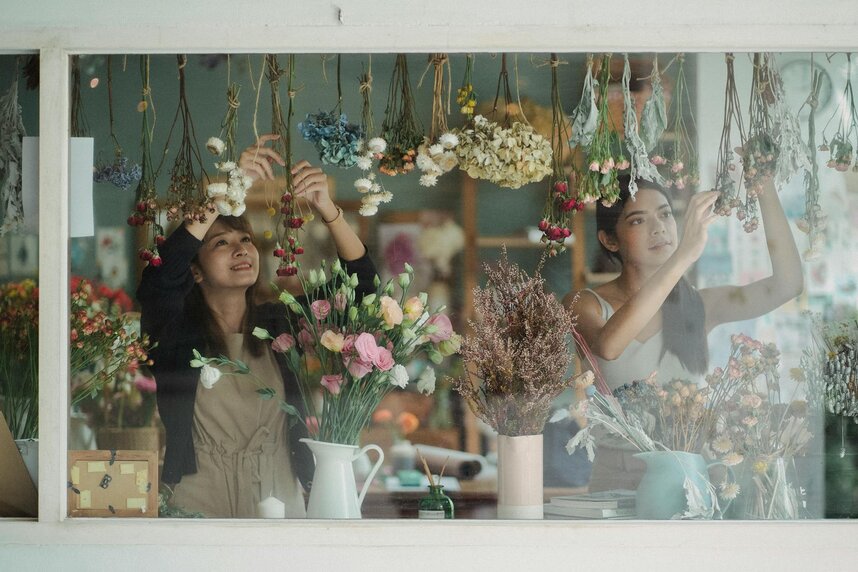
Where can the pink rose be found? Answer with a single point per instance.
(357, 367)
(340, 301)
(332, 383)
(283, 343)
(366, 347)
(384, 359)
(321, 309)
(444, 328)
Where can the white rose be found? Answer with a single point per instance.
(399, 376)
(215, 146)
(209, 376)
(426, 381)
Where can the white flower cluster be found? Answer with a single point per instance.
(228, 197)
(373, 194)
(509, 157)
(435, 159)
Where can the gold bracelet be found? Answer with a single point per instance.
(339, 214)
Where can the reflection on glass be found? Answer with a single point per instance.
(19, 317)
(219, 175)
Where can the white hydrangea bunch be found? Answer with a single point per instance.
(228, 197)
(509, 157)
(372, 193)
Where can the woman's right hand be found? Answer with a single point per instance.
(698, 216)
(256, 160)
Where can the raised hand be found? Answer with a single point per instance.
(256, 160)
(312, 184)
(698, 216)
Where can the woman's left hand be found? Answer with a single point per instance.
(312, 184)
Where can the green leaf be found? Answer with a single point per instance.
(289, 410)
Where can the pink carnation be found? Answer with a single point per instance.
(283, 343)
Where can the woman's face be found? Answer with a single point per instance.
(646, 230)
(227, 259)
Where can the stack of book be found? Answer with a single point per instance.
(616, 504)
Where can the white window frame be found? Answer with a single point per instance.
(59, 29)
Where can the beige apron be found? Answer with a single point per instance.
(241, 445)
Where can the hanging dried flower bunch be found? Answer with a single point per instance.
(560, 204)
(604, 154)
(147, 208)
(372, 150)
(729, 198)
(11, 152)
(509, 154)
(842, 145)
(760, 152)
(466, 97)
(78, 125)
(290, 219)
(654, 114)
(678, 159)
(813, 222)
(794, 154)
(228, 197)
(437, 154)
(639, 163)
(401, 128)
(336, 140)
(187, 199)
(120, 173)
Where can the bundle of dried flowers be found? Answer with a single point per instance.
(121, 173)
(516, 357)
(845, 139)
(401, 128)
(372, 150)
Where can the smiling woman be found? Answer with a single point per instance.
(228, 451)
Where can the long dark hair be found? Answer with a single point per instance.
(201, 313)
(683, 315)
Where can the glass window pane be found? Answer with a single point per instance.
(702, 326)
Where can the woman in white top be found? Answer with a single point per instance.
(650, 317)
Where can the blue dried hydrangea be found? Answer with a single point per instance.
(119, 173)
(335, 138)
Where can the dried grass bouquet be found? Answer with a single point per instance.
(516, 357)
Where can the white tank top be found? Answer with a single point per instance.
(640, 359)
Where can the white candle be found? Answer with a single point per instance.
(271, 507)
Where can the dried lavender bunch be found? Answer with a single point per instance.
(516, 356)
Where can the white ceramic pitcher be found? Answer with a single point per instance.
(334, 492)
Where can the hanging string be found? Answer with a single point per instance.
(365, 89)
(78, 124)
(116, 147)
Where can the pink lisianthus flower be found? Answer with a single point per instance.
(321, 309)
(384, 359)
(390, 311)
(366, 347)
(312, 424)
(348, 344)
(357, 367)
(340, 301)
(145, 384)
(283, 343)
(332, 383)
(307, 341)
(444, 328)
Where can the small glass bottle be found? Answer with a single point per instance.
(436, 505)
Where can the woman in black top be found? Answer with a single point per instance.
(226, 443)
